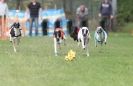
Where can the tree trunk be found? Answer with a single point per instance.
(19, 4)
(64, 5)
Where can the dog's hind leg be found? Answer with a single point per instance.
(101, 43)
(17, 41)
(64, 40)
(87, 51)
(95, 39)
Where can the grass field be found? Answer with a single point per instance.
(35, 64)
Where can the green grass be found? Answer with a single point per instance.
(127, 28)
(35, 64)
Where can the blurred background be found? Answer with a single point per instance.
(69, 7)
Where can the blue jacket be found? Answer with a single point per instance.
(106, 9)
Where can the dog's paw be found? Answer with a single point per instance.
(10, 41)
(78, 44)
(15, 50)
(88, 55)
(105, 43)
(56, 55)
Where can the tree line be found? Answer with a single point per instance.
(125, 11)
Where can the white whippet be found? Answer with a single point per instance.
(58, 37)
(100, 36)
(15, 35)
(83, 37)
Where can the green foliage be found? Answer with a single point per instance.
(125, 11)
(128, 27)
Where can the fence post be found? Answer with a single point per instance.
(3, 28)
(114, 20)
(0, 27)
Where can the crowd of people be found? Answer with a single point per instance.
(82, 13)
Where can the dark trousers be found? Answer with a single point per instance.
(105, 23)
(35, 20)
(44, 27)
(82, 23)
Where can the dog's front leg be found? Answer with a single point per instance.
(83, 43)
(10, 38)
(95, 39)
(18, 40)
(105, 39)
(64, 41)
(78, 42)
(14, 45)
(87, 46)
(95, 42)
(55, 46)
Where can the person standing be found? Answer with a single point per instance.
(106, 15)
(82, 16)
(34, 9)
(3, 18)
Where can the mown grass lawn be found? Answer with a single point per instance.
(35, 64)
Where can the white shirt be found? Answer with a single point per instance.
(82, 14)
(3, 9)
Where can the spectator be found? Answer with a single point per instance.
(82, 16)
(3, 16)
(34, 9)
(106, 15)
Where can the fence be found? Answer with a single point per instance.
(69, 6)
(50, 15)
(3, 28)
